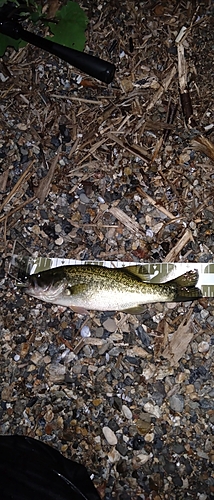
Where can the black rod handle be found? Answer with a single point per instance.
(93, 66)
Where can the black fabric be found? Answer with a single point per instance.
(32, 470)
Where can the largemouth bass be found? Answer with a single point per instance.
(92, 287)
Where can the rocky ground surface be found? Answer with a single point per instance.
(117, 172)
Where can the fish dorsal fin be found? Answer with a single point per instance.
(139, 272)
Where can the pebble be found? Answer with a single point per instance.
(35, 229)
(153, 410)
(126, 412)
(176, 403)
(77, 368)
(144, 457)
(58, 228)
(203, 347)
(110, 436)
(49, 415)
(85, 331)
(149, 233)
(59, 241)
(138, 442)
(115, 337)
(143, 426)
(114, 456)
(122, 448)
(149, 438)
(56, 372)
(202, 454)
(36, 357)
(110, 325)
(16, 357)
(100, 199)
(84, 199)
(204, 313)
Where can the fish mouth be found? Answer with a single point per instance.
(37, 287)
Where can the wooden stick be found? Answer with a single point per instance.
(131, 224)
(153, 202)
(172, 255)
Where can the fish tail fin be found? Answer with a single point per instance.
(186, 294)
(185, 289)
(188, 279)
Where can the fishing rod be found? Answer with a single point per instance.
(91, 65)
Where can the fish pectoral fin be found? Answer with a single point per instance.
(73, 291)
(79, 310)
(138, 309)
(138, 271)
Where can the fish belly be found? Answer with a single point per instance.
(108, 300)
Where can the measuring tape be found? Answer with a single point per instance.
(158, 272)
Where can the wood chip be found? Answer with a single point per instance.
(44, 186)
(130, 224)
(179, 340)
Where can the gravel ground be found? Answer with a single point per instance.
(95, 172)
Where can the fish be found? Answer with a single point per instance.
(92, 287)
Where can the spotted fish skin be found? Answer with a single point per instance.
(92, 287)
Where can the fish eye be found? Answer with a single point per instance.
(67, 291)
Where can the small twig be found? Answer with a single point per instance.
(171, 113)
(80, 99)
(183, 79)
(133, 148)
(203, 145)
(3, 180)
(93, 149)
(131, 224)
(163, 88)
(19, 207)
(153, 202)
(44, 186)
(172, 255)
(17, 185)
(157, 148)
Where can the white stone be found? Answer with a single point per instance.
(126, 412)
(59, 241)
(153, 410)
(85, 331)
(143, 457)
(203, 346)
(110, 436)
